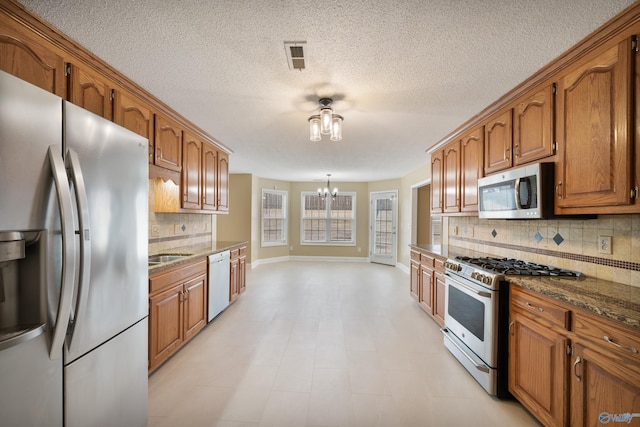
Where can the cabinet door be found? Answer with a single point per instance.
(32, 61)
(90, 91)
(414, 284)
(533, 126)
(168, 142)
(426, 291)
(242, 275)
(472, 168)
(498, 139)
(191, 172)
(165, 324)
(603, 387)
(439, 291)
(233, 280)
(133, 114)
(195, 306)
(593, 119)
(209, 177)
(538, 369)
(223, 181)
(451, 177)
(436, 182)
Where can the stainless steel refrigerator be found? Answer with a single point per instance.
(73, 264)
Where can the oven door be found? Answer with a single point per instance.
(471, 315)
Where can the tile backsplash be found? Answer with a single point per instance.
(565, 243)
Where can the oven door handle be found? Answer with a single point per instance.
(469, 288)
(445, 332)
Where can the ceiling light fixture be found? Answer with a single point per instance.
(324, 192)
(325, 123)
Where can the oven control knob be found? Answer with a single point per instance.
(452, 266)
(486, 280)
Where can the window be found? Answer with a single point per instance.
(274, 218)
(328, 221)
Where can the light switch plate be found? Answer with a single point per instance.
(604, 245)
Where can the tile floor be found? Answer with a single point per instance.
(322, 344)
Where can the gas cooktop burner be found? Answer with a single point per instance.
(516, 267)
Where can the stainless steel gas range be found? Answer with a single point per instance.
(476, 314)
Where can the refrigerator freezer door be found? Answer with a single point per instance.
(115, 173)
(108, 387)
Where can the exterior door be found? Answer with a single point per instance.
(383, 224)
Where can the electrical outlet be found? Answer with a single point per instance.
(155, 231)
(454, 230)
(604, 245)
(195, 226)
(359, 249)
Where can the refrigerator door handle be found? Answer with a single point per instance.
(82, 202)
(68, 250)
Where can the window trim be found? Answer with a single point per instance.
(285, 220)
(327, 242)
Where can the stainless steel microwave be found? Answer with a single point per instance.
(519, 193)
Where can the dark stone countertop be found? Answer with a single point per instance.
(194, 253)
(612, 300)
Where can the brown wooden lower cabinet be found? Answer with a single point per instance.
(570, 367)
(427, 284)
(238, 281)
(177, 309)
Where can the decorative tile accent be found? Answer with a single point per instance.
(494, 233)
(558, 239)
(184, 227)
(537, 237)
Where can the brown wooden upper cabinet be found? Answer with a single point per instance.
(191, 172)
(498, 138)
(472, 168)
(436, 182)
(451, 177)
(91, 91)
(135, 115)
(223, 182)
(168, 144)
(27, 56)
(209, 177)
(594, 165)
(533, 126)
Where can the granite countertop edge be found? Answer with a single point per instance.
(609, 299)
(194, 253)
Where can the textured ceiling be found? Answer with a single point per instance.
(404, 74)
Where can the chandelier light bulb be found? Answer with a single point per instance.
(326, 115)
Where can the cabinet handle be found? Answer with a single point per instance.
(506, 154)
(622, 347)
(558, 189)
(158, 152)
(533, 307)
(575, 364)
(516, 150)
(511, 328)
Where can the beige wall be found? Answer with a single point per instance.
(423, 222)
(243, 221)
(236, 225)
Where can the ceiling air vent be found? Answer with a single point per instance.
(295, 55)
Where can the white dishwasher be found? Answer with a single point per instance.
(218, 283)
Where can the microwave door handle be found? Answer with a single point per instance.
(68, 250)
(517, 194)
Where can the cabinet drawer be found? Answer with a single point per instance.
(415, 256)
(235, 253)
(176, 275)
(242, 251)
(539, 307)
(607, 334)
(439, 265)
(426, 260)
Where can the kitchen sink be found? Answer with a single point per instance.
(162, 258)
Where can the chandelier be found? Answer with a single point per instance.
(325, 123)
(324, 192)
